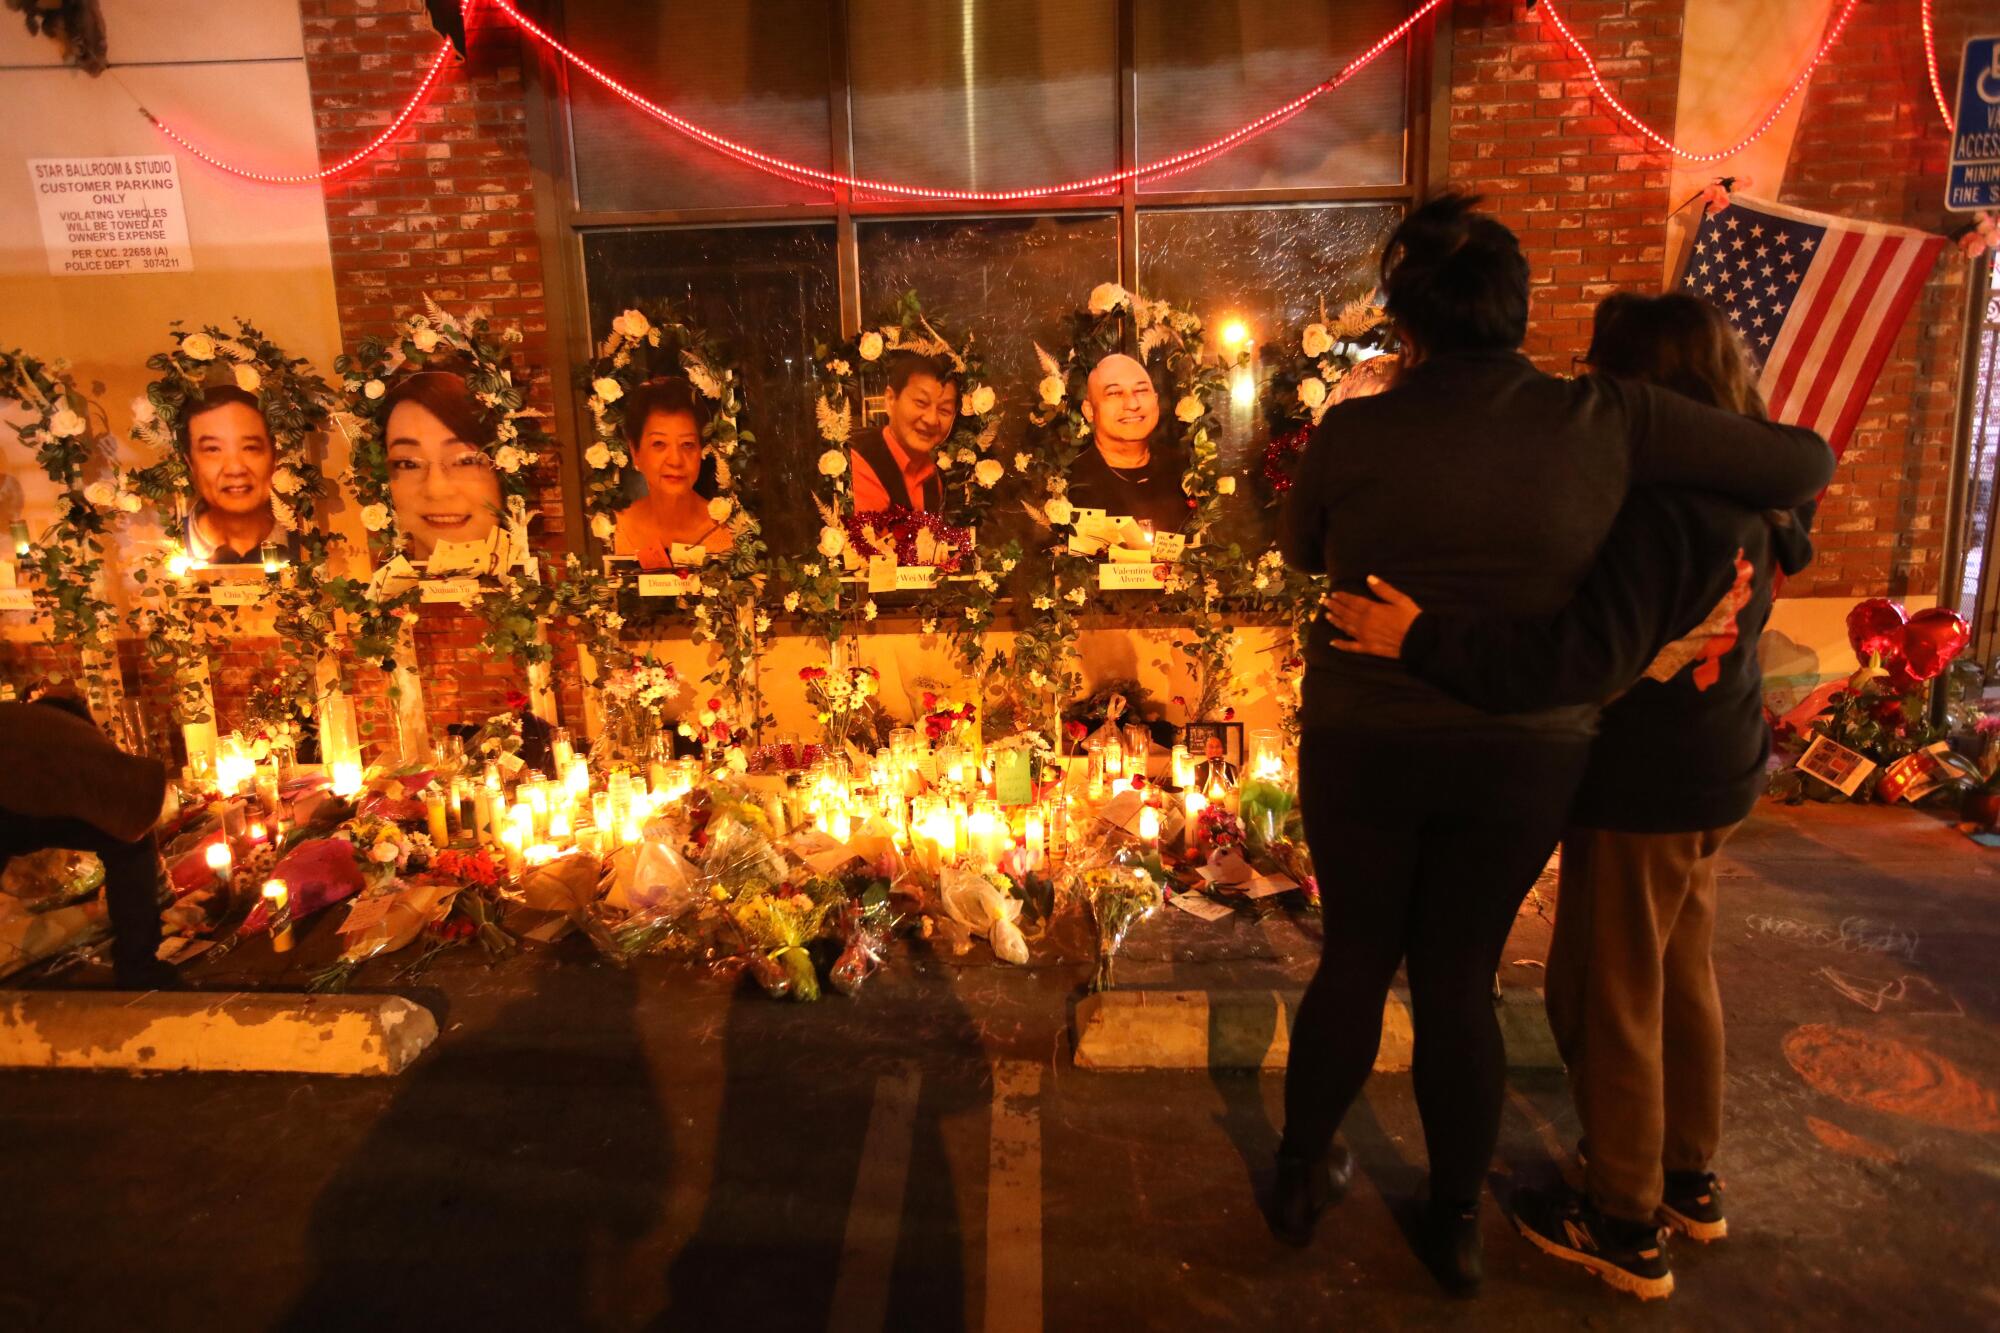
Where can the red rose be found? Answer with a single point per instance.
(517, 701)
(1077, 731)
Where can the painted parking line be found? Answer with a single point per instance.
(875, 1211)
(1014, 1202)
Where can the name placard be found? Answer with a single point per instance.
(236, 594)
(669, 585)
(17, 599)
(451, 590)
(1169, 546)
(1127, 578)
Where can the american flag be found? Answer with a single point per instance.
(1818, 299)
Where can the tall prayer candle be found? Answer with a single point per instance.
(277, 899)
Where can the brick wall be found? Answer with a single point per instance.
(1872, 145)
(1586, 198)
(447, 211)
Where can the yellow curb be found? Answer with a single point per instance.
(173, 1031)
(1152, 1029)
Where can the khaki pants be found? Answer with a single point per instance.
(1634, 1007)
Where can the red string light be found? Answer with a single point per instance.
(1931, 67)
(1646, 131)
(798, 171)
(1171, 165)
(348, 163)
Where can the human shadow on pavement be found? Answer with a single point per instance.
(808, 1224)
(502, 1184)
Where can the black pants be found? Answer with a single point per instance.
(1425, 843)
(131, 877)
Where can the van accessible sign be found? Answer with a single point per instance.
(1974, 180)
(111, 214)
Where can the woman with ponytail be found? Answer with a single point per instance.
(1475, 484)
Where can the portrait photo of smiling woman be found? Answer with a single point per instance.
(664, 421)
(230, 459)
(443, 486)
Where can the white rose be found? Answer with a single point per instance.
(870, 345)
(508, 459)
(101, 493)
(1106, 297)
(608, 389)
(981, 400)
(1059, 511)
(199, 346)
(942, 459)
(719, 509)
(840, 368)
(1052, 390)
(791, 602)
(832, 463)
(375, 517)
(832, 541)
(128, 503)
(373, 389)
(597, 455)
(1312, 392)
(967, 456)
(631, 324)
(602, 527)
(1189, 408)
(738, 761)
(425, 338)
(247, 378)
(1317, 341)
(1225, 485)
(989, 472)
(65, 424)
(285, 481)
(143, 410)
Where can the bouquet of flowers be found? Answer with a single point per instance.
(840, 696)
(778, 925)
(1119, 896)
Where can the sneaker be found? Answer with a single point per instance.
(1631, 1256)
(1692, 1205)
(1304, 1189)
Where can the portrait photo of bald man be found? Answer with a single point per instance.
(1129, 468)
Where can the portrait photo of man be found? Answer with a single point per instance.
(230, 459)
(895, 464)
(1128, 468)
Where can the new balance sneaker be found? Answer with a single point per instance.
(1631, 1256)
(1692, 1205)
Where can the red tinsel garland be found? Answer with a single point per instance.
(1280, 455)
(899, 528)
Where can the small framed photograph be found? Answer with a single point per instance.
(1838, 767)
(1217, 751)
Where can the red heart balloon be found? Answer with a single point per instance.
(1932, 639)
(1875, 626)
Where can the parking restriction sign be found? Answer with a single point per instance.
(1974, 179)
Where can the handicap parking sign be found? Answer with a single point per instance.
(1974, 180)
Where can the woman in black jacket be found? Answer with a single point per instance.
(1475, 484)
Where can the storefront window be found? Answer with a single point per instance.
(755, 71)
(988, 96)
(1207, 66)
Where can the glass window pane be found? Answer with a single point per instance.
(1009, 280)
(1273, 268)
(757, 72)
(1208, 66)
(984, 94)
(767, 292)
